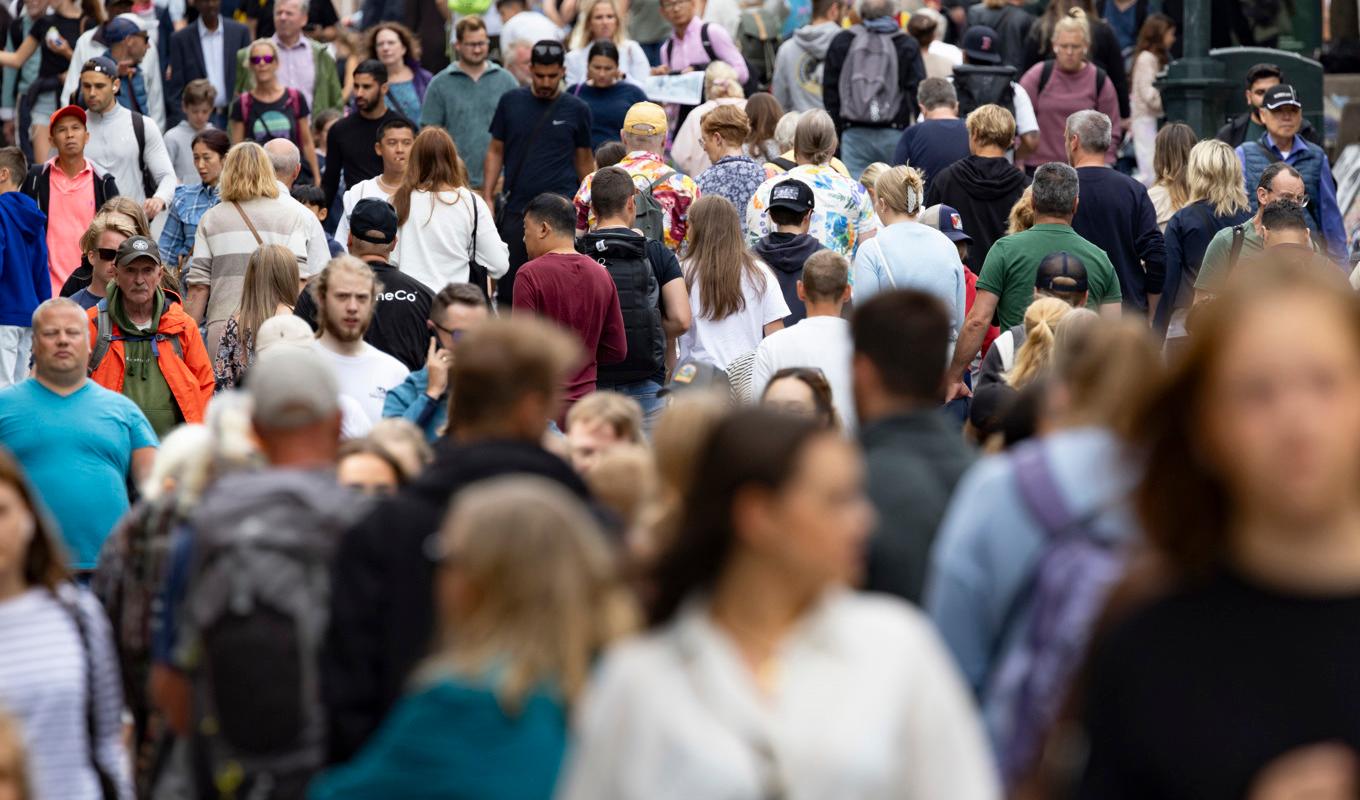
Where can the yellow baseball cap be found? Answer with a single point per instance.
(645, 119)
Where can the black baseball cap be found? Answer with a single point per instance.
(103, 65)
(1061, 272)
(548, 53)
(137, 247)
(1280, 95)
(373, 221)
(793, 195)
(980, 43)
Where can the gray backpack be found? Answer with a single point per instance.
(871, 91)
(256, 608)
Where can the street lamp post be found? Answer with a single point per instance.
(1193, 88)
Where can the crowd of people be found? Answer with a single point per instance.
(910, 412)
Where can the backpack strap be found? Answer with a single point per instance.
(103, 336)
(651, 187)
(708, 43)
(783, 163)
(1235, 252)
(1270, 155)
(1039, 490)
(139, 131)
(1044, 75)
(1100, 81)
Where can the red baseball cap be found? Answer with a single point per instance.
(67, 111)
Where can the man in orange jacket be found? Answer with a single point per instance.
(144, 346)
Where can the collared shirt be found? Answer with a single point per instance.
(188, 207)
(842, 217)
(297, 66)
(689, 51)
(214, 62)
(1328, 210)
(70, 209)
(861, 700)
(675, 194)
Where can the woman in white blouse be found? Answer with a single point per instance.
(765, 675)
(439, 215)
(604, 19)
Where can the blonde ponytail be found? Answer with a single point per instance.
(902, 189)
(1041, 318)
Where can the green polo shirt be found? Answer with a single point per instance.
(1213, 269)
(1013, 263)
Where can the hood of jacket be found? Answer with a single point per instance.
(20, 214)
(786, 252)
(612, 243)
(815, 39)
(988, 178)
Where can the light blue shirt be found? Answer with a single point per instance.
(77, 452)
(909, 255)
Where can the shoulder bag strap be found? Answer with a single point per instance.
(533, 134)
(249, 224)
(108, 789)
(1235, 252)
(1267, 152)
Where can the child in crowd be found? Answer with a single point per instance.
(311, 196)
(788, 246)
(198, 101)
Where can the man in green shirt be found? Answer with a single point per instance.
(1005, 288)
(1279, 181)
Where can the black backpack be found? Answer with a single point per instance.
(1047, 72)
(627, 258)
(978, 85)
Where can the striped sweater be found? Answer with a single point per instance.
(44, 685)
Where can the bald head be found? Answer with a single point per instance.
(286, 158)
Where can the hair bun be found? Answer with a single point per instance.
(1076, 13)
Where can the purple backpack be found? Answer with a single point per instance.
(1071, 580)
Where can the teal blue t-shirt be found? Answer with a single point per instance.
(76, 451)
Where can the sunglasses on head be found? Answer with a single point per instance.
(548, 49)
(264, 59)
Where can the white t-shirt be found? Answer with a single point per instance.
(528, 26)
(367, 377)
(821, 342)
(359, 191)
(717, 342)
(1025, 121)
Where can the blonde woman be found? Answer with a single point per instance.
(270, 289)
(1041, 321)
(528, 596)
(271, 110)
(604, 19)
(734, 299)
(1021, 217)
(1072, 86)
(905, 254)
(721, 87)
(1169, 192)
(1218, 200)
(250, 213)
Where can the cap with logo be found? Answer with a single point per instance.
(373, 221)
(645, 119)
(137, 247)
(946, 220)
(65, 111)
(1061, 272)
(793, 195)
(1280, 95)
(103, 65)
(981, 44)
(121, 27)
(695, 375)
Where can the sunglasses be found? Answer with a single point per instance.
(257, 60)
(550, 49)
(454, 333)
(106, 253)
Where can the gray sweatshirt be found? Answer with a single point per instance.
(798, 66)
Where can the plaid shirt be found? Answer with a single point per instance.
(675, 194)
(186, 209)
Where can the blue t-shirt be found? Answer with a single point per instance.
(77, 452)
(608, 107)
(547, 163)
(933, 144)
